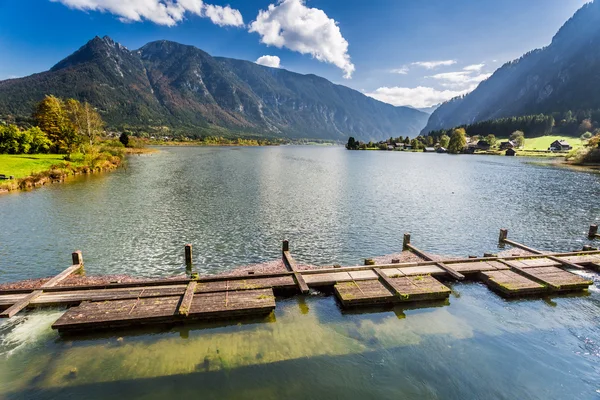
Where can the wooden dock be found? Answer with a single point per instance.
(181, 300)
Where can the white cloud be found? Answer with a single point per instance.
(224, 16)
(418, 97)
(474, 67)
(402, 70)
(269, 61)
(460, 79)
(434, 64)
(291, 24)
(161, 12)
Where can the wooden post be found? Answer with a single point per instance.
(285, 246)
(77, 258)
(188, 255)
(593, 231)
(406, 241)
(503, 235)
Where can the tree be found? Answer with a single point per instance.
(351, 145)
(51, 117)
(491, 139)
(444, 141)
(458, 141)
(39, 141)
(85, 119)
(518, 137)
(585, 126)
(124, 138)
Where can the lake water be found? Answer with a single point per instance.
(235, 205)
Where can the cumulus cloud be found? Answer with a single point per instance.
(434, 64)
(470, 76)
(474, 67)
(291, 24)
(402, 70)
(418, 97)
(161, 12)
(269, 61)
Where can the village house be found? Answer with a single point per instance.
(507, 145)
(483, 145)
(560, 145)
(429, 150)
(510, 152)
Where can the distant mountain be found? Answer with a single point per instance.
(562, 76)
(182, 87)
(428, 110)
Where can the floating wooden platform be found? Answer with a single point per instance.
(164, 310)
(180, 300)
(393, 289)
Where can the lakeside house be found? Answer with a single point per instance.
(507, 145)
(560, 145)
(510, 152)
(483, 145)
(429, 150)
(441, 150)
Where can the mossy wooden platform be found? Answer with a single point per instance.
(392, 289)
(511, 284)
(100, 315)
(183, 299)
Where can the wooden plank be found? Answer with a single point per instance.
(327, 279)
(21, 304)
(186, 300)
(387, 281)
(448, 269)
(291, 265)
(61, 277)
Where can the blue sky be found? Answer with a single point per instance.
(405, 52)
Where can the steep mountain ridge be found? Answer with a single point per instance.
(562, 76)
(170, 84)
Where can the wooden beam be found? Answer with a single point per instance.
(383, 278)
(551, 257)
(593, 233)
(290, 264)
(24, 302)
(503, 235)
(61, 277)
(449, 270)
(188, 255)
(186, 300)
(405, 241)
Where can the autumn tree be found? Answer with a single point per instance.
(85, 119)
(51, 117)
(458, 141)
(491, 139)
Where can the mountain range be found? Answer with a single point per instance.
(563, 76)
(189, 91)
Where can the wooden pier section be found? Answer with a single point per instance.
(181, 300)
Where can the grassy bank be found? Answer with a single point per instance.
(35, 170)
(544, 142)
(23, 165)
